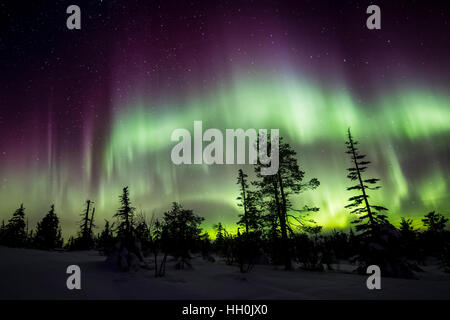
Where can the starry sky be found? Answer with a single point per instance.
(85, 112)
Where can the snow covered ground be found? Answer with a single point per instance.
(34, 274)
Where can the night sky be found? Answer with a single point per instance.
(85, 112)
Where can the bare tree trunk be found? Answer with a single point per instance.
(156, 263)
(92, 221)
(283, 227)
(162, 268)
(283, 224)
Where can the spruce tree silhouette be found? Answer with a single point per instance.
(368, 216)
(408, 237)
(219, 242)
(434, 235)
(275, 191)
(125, 216)
(206, 246)
(183, 230)
(126, 252)
(142, 231)
(379, 241)
(85, 239)
(406, 226)
(48, 232)
(15, 234)
(105, 241)
(434, 222)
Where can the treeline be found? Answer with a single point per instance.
(17, 234)
(270, 228)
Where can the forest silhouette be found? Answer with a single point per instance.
(271, 230)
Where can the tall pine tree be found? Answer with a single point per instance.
(368, 215)
(250, 220)
(277, 189)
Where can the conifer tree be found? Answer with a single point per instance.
(408, 237)
(368, 216)
(85, 239)
(183, 230)
(434, 222)
(125, 216)
(406, 226)
(48, 232)
(15, 233)
(250, 220)
(277, 189)
(219, 233)
(106, 239)
(434, 237)
(142, 231)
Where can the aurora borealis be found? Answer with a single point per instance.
(84, 113)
